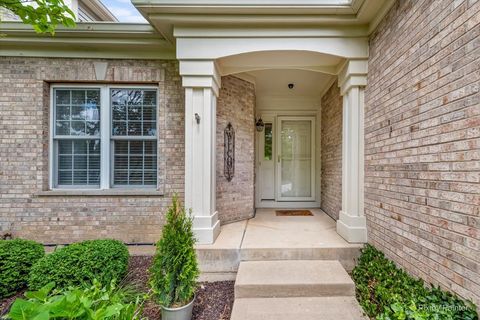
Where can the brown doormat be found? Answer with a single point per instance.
(293, 213)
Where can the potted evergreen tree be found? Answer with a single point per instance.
(174, 272)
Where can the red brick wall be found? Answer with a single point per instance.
(24, 131)
(422, 148)
(236, 104)
(331, 146)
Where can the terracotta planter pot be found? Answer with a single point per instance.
(181, 313)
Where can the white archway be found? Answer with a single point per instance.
(201, 70)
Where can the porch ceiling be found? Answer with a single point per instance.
(274, 83)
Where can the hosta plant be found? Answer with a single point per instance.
(91, 303)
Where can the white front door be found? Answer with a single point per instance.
(295, 159)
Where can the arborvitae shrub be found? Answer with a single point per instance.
(175, 271)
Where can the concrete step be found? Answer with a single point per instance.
(303, 308)
(346, 255)
(297, 278)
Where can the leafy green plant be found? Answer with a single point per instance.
(80, 263)
(43, 15)
(174, 271)
(16, 259)
(92, 303)
(386, 292)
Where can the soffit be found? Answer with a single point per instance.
(87, 40)
(167, 15)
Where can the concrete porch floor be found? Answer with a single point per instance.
(269, 237)
(268, 231)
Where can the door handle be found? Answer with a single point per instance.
(278, 158)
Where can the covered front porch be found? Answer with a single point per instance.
(286, 145)
(281, 42)
(268, 237)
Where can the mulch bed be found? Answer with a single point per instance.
(7, 302)
(214, 300)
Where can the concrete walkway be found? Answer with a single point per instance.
(294, 267)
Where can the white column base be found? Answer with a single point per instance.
(352, 228)
(206, 228)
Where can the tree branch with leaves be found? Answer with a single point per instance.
(43, 15)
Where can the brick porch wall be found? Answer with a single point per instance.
(422, 148)
(24, 132)
(331, 146)
(236, 104)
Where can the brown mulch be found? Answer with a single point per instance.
(214, 300)
(7, 302)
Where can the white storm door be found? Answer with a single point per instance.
(266, 162)
(296, 159)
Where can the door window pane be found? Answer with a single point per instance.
(296, 158)
(267, 152)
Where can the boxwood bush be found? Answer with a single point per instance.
(80, 263)
(16, 258)
(386, 292)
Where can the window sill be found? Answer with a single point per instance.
(106, 192)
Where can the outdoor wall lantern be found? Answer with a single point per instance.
(260, 125)
(197, 117)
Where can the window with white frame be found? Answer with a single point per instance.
(103, 137)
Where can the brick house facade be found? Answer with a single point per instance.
(415, 76)
(422, 141)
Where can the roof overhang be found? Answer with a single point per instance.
(166, 15)
(87, 40)
(100, 9)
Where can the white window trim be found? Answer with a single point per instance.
(106, 141)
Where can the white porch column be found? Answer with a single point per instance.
(201, 81)
(352, 80)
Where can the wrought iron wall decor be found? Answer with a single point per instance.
(229, 152)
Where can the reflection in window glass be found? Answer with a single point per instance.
(134, 112)
(77, 159)
(134, 125)
(268, 142)
(77, 112)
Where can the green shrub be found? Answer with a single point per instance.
(79, 263)
(16, 258)
(388, 293)
(174, 271)
(92, 303)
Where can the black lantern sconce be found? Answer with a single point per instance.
(260, 125)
